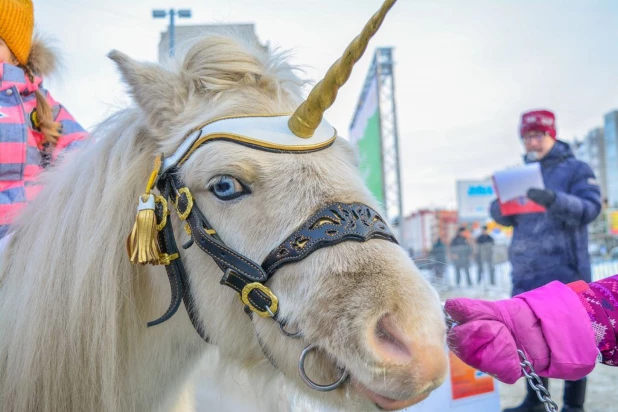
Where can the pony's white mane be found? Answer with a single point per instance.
(70, 304)
(66, 294)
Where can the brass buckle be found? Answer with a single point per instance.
(166, 259)
(184, 215)
(244, 297)
(166, 212)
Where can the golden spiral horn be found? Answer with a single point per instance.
(309, 114)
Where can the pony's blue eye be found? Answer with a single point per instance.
(228, 188)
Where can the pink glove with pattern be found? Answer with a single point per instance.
(549, 324)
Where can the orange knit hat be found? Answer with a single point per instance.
(16, 25)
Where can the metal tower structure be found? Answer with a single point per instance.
(373, 131)
(383, 67)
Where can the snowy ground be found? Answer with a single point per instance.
(602, 394)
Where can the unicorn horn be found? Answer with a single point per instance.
(308, 116)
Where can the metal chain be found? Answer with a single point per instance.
(534, 380)
(450, 322)
(536, 383)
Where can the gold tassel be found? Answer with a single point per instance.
(142, 243)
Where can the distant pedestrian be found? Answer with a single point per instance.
(461, 252)
(438, 259)
(485, 256)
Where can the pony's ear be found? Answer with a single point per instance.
(160, 93)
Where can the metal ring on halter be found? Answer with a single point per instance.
(312, 384)
(296, 335)
(281, 324)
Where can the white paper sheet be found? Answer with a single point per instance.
(514, 183)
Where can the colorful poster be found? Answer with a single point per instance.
(612, 224)
(366, 137)
(496, 229)
(466, 381)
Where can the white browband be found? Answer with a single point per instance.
(269, 132)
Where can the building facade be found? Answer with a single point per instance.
(592, 151)
(611, 158)
(424, 227)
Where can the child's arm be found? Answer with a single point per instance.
(73, 134)
(549, 324)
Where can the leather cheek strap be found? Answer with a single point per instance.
(239, 271)
(177, 276)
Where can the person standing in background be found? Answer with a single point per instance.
(461, 252)
(438, 259)
(485, 256)
(552, 245)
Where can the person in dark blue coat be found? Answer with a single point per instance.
(552, 245)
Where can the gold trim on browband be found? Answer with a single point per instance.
(255, 142)
(267, 132)
(238, 116)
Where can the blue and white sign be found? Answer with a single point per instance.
(474, 198)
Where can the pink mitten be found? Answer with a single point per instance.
(549, 324)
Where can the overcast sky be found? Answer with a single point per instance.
(465, 69)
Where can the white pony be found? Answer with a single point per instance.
(73, 309)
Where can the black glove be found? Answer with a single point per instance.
(543, 197)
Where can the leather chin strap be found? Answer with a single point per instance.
(176, 274)
(333, 224)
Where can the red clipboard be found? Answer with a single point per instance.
(518, 206)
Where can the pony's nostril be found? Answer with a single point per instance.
(391, 343)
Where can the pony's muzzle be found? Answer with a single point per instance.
(392, 343)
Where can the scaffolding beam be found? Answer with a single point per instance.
(393, 199)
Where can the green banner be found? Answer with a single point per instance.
(366, 137)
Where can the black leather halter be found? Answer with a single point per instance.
(333, 224)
